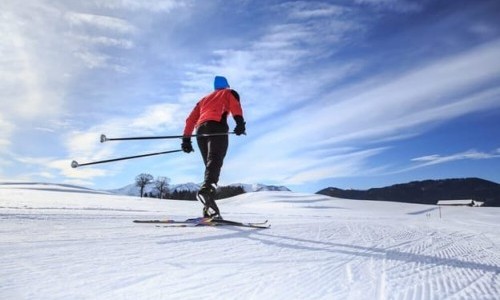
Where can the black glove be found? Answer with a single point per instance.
(240, 125)
(186, 145)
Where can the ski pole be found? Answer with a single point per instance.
(105, 139)
(75, 164)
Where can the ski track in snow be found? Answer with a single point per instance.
(57, 245)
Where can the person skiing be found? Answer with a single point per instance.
(209, 117)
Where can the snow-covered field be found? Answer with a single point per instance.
(60, 242)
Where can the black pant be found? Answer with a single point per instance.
(213, 149)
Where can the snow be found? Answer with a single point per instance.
(67, 243)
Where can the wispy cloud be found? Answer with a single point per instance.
(274, 61)
(392, 107)
(5, 133)
(49, 167)
(349, 166)
(310, 9)
(395, 5)
(85, 146)
(436, 159)
(157, 118)
(106, 41)
(102, 22)
(144, 5)
(440, 90)
(37, 71)
(89, 34)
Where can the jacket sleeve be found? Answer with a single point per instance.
(235, 105)
(191, 120)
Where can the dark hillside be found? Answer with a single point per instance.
(427, 191)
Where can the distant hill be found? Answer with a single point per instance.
(427, 191)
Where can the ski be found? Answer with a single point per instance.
(204, 222)
(264, 224)
(194, 221)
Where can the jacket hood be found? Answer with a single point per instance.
(220, 82)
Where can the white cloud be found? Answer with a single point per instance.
(439, 91)
(50, 168)
(158, 118)
(99, 21)
(5, 132)
(38, 65)
(271, 67)
(63, 166)
(95, 60)
(483, 29)
(311, 9)
(84, 145)
(275, 159)
(38, 69)
(436, 159)
(89, 35)
(145, 5)
(347, 164)
(394, 5)
(106, 41)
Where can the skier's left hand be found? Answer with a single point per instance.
(240, 125)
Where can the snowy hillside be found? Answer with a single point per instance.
(67, 243)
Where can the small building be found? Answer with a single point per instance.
(463, 202)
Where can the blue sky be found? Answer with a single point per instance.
(352, 94)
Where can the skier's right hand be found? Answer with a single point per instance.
(186, 145)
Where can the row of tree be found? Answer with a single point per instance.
(160, 184)
(161, 189)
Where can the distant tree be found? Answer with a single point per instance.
(142, 180)
(229, 191)
(161, 186)
(182, 195)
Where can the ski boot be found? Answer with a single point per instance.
(206, 195)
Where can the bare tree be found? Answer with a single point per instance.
(142, 180)
(161, 185)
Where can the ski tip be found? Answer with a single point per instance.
(103, 138)
(74, 164)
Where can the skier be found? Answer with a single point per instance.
(209, 116)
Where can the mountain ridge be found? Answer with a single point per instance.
(426, 191)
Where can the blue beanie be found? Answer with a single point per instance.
(220, 82)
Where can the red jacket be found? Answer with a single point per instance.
(213, 107)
